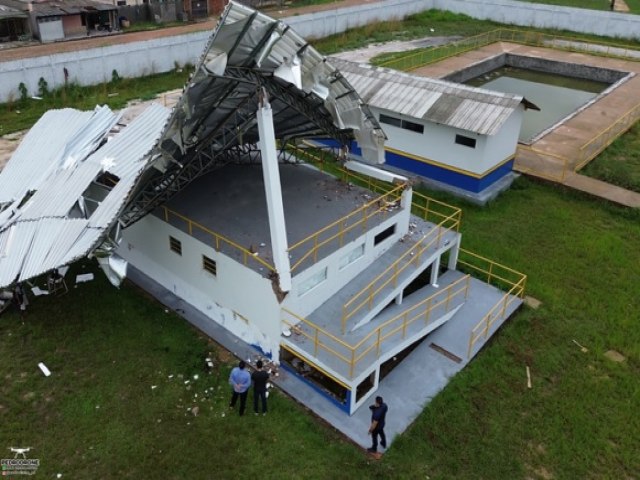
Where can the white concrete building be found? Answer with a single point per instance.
(461, 138)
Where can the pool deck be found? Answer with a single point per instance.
(556, 155)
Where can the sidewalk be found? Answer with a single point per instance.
(30, 51)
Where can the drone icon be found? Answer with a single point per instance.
(20, 451)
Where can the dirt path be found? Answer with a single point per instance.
(39, 50)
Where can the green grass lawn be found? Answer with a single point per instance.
(619, 164)
(97, 416)
(21, 114)
(634, 5)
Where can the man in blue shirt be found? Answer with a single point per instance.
(240, 381)
(378, 415)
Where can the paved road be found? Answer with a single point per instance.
(38, 50)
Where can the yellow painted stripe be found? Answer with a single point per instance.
(449, 167)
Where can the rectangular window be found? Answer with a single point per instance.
(397, 122)
(175, 245)
(209, 265)
(466, 141)
(383, 235)
(414, 127)
(313, 281)
(351, 257)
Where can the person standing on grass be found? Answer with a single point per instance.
(378, 416)
(240, 381)
(259, 378)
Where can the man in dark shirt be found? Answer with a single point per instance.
(260, 378)
(378, 415)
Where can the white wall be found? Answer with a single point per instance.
(50, 31)
(89, 67)
(337, 278)
(504, 144)
(135, 59)
(239, 299)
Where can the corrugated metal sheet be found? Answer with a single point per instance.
(59, 138)
(467, 108)
(43, 235)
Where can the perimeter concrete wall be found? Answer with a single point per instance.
(136, 59)
(96, 65)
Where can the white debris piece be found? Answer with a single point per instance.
(37, 291)
(153, 387)
(84, 277)
(195, 377)
(44, 369)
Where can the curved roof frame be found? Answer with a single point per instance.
(250, 53)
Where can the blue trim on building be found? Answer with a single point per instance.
(440, 174)
(450, 177)
(342, 406)
(262, 352)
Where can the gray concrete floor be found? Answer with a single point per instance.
(231, 201)
(407, 389)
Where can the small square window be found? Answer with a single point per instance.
(209, 265)
(175, 245)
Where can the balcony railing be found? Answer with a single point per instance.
(393, 330)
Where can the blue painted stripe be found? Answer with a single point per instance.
(434, 172)
(342, 406)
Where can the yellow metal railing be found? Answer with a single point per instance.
(351, 355)
(219, 241)
(421, 58)
(336, 231)
(366, 296)
(603, 139)
(499, 275)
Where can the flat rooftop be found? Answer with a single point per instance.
(231, 202)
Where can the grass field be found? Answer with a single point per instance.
(634, 5)
(98, 416)
(21, 114)
(619, 164)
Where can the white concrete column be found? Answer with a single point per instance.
(435, 267)
(405, 204)
(273, 191)
(453, 255)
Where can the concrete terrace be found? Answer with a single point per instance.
(231, 202)
(404, 388)
(546, 157)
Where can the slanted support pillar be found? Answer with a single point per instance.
(273, 191)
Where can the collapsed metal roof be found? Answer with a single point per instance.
(214, 120)
(61, 194)
(467, 108)
(65, 192)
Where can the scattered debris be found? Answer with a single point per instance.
(615, 356)
(286, 332)
(582, 349)
(528, 377)
(115, 94)
(262, 245)
(44, 369)
(153, 387)
(532, 302)
(195, 377)
(195, 410)
(171, 376)
(84, 277)
(34, 97)
(38, 292)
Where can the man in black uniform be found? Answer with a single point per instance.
(259, 378)
(378, 415)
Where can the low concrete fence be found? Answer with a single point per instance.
(94, 66)
(136, 59)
